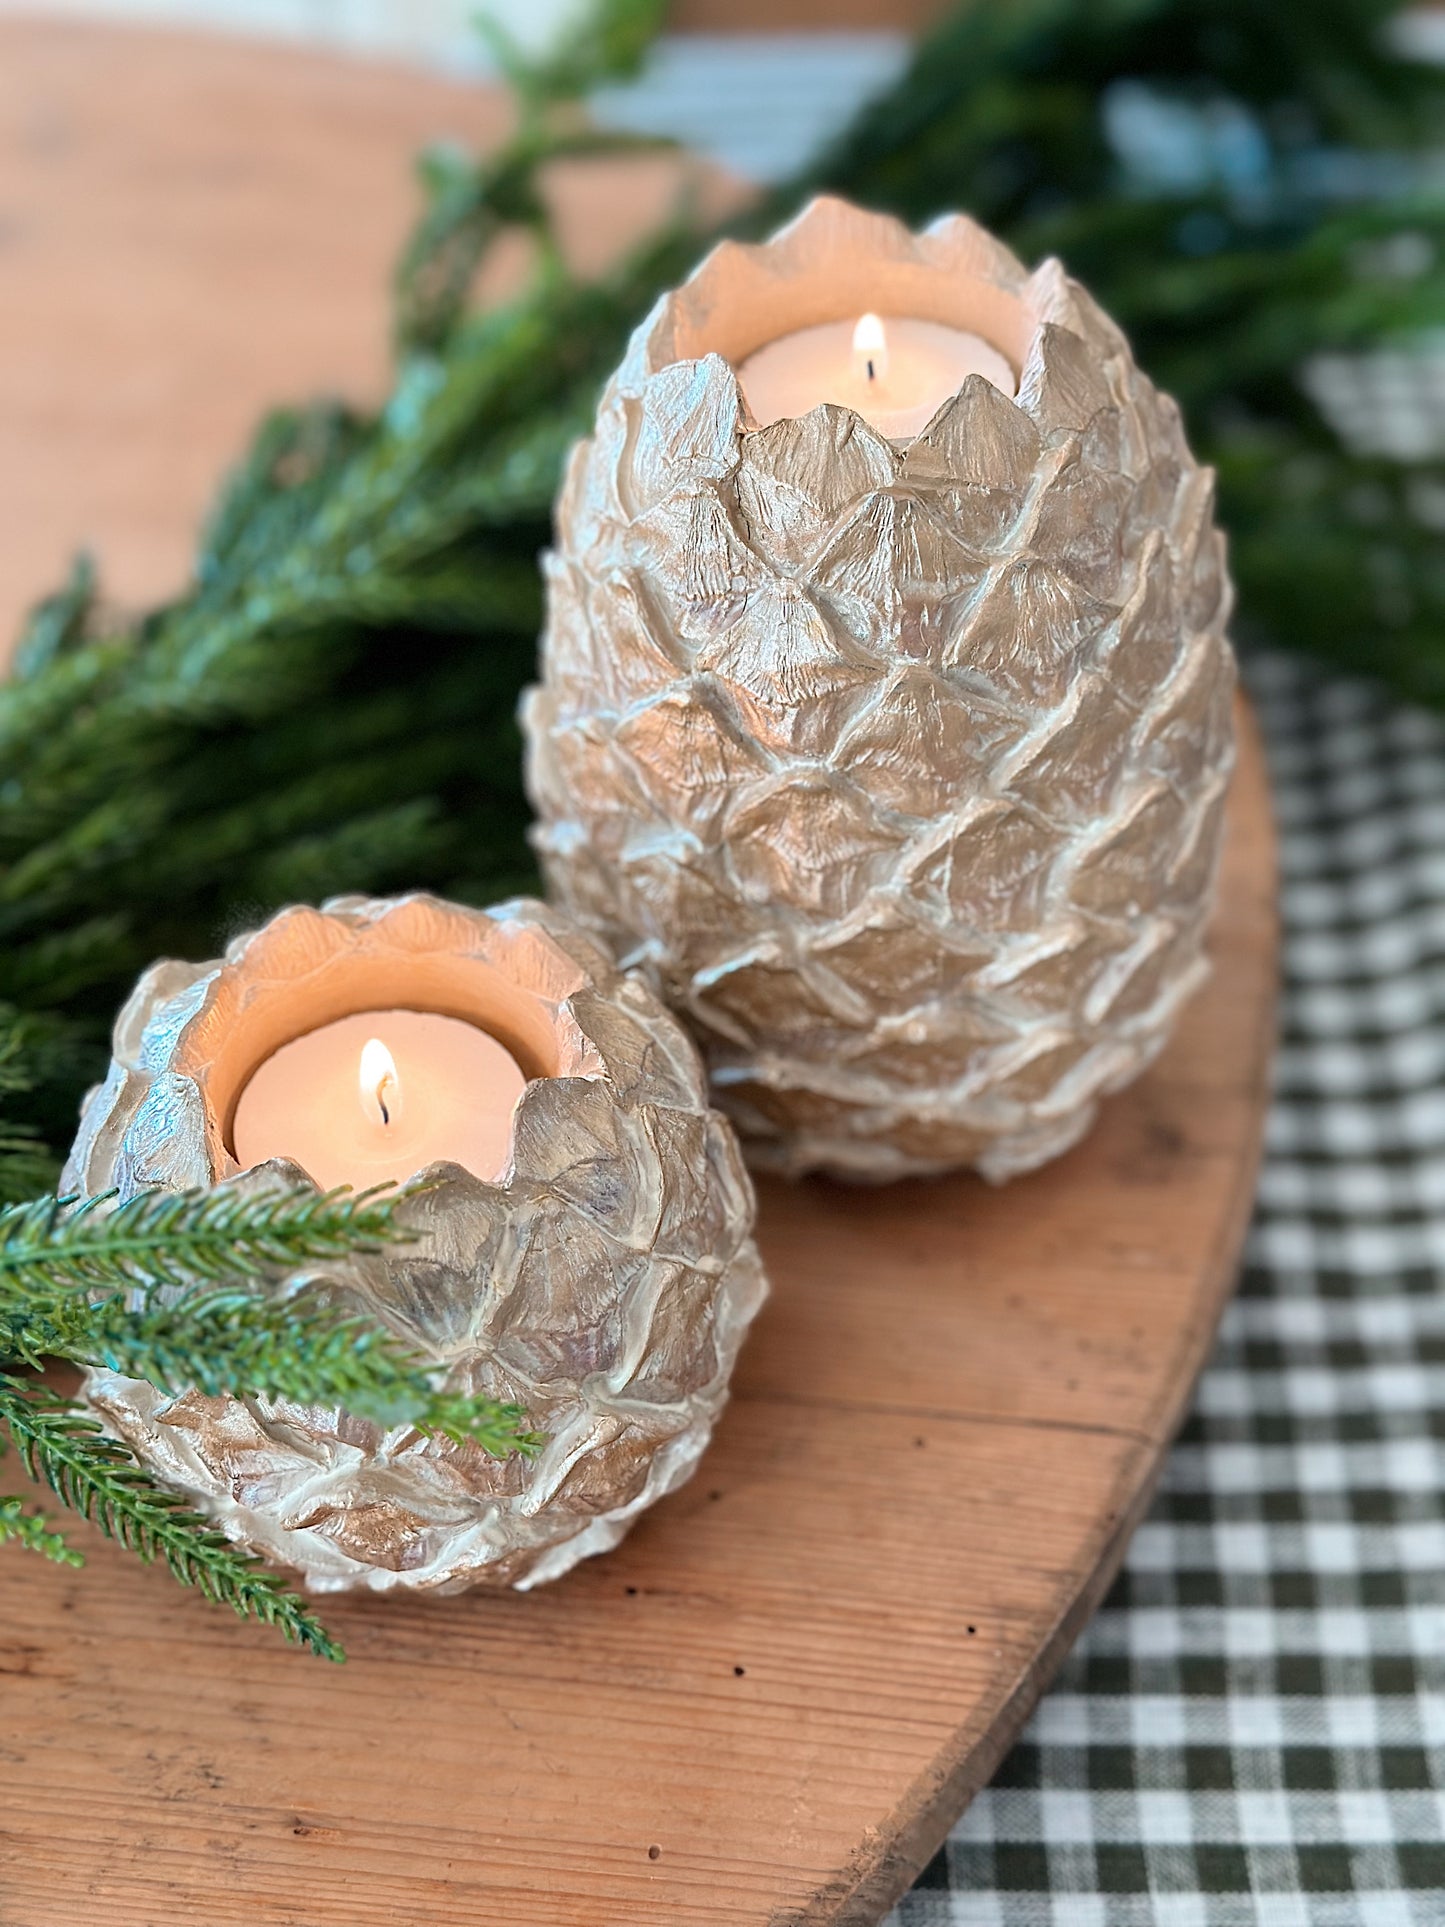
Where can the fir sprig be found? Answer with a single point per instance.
(22, 1525)
(498, 1428)
(219, 1291)
(233, 1290)
(295, 1347)
(99, 1479)
(26, 1163)
(162, 1240)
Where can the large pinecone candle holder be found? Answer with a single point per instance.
(603, 1281)
(900, 765)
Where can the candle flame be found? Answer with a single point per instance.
(870, 349)
(380, 1085)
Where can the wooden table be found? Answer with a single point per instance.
(769, 1705)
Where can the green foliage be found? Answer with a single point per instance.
(21, 1525)
(217, 1291)
(471, 203)
(161, 1240)
(330, 704)
(595, 41)
(26, 1165)
(56, 624)
(497, 1428)
(97, 1478)
(1308, 220)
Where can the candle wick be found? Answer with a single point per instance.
(378, 1076)
(870, 350)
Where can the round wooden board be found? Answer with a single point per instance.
(771, 1703)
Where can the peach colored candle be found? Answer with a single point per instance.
(376, 1097)
(896, 372)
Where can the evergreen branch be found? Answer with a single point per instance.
(235, 1341)
(26, 1164)
(605, 41)
(21, 1525)
(58, 623)
(120, 1287)
(292, 1346)
(165, 1239)
(98, 1478)
(499, 1429)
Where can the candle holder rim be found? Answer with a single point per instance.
(952, 250)
(415, 1181)
(1028, 399)
(216, 992)
(859, 422)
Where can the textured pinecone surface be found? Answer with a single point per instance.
(900, 767)
(604, 1282)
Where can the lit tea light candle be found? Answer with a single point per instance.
(376, 1097)
(895, 372)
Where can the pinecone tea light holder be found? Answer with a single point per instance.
(592, 1261)
(885, 705)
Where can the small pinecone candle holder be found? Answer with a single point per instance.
(603, 1282)
(899, 764)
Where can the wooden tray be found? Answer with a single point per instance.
(769, 1706)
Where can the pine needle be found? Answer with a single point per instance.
(22, 1525)
(99, 1479)
(168, 1239)
(209, 1291)
(212, 1291)
(295, 1347)
(499, 1429)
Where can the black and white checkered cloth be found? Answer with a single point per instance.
(1252, 1731)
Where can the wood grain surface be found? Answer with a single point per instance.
(768, 1706)
(196, 229)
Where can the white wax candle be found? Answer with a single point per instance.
(896, 372)
(374, 1098)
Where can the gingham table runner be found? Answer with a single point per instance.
(1252, 1731)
